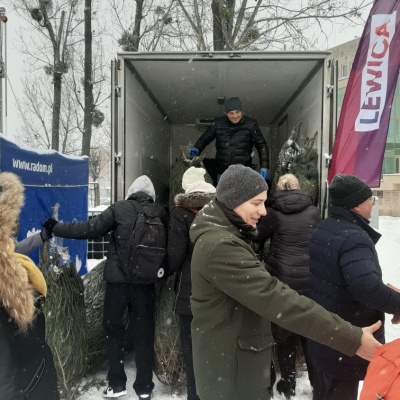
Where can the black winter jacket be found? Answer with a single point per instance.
(27, 370)
(290, 220)
(117, 219)
(235, 142)
(346, 278)
(180, 247)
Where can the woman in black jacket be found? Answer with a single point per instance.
(27, 369)
(291, 218)
(180, 250)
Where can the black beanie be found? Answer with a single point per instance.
(239, 184)
(233, 104)
(347, 191)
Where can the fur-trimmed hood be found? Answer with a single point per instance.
(195, 200)
(16, 294)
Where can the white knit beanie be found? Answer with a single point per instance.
(192, 175)
(200, 186)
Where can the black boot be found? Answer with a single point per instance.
(287, 388)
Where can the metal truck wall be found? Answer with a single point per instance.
(50, 178)
(146, 141)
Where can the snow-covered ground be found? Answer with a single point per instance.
(389, 256)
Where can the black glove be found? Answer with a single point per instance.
(50, 224)
(45, 234)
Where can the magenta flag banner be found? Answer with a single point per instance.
(364, 120)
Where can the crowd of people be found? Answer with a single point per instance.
(253, 270)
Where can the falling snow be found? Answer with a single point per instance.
(389, 256)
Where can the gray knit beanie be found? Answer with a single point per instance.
(239, 184)
(233, 104)
(347, 191)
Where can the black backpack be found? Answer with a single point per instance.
(143, 259)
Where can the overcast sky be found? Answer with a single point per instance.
(15, 65)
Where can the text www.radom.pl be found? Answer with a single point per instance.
(34, 167)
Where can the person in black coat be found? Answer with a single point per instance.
(235, 137)
(120, 293)
(346, 279)
(291, 218)
(180, 250)
(27, 370)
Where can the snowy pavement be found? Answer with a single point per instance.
(389, 256)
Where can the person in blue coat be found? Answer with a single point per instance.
(346, 279)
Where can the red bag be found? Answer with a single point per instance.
(382, 381)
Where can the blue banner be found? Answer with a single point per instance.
(50, 178)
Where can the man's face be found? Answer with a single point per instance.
(252, 210)
(234, 116)
(365, 208)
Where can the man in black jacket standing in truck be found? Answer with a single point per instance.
(235, 136)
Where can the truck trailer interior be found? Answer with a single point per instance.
(162, 101)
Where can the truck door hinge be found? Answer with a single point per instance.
(328, 159)
(118, 158)
(329, 90)
(118, 91)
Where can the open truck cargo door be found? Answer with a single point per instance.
(164, 100)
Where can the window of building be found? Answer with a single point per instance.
(344, 71)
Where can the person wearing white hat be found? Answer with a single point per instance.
(187, 205)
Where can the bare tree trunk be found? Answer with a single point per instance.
(88, 85)
(230, 12)
(137, 23)
(218, 34)
(55, 126)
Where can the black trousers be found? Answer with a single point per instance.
(140, 301)
(186, 341)
(286, 351)
(327, 387)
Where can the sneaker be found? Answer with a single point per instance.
(115, 391)
(145, 396)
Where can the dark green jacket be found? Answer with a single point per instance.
(234, 299)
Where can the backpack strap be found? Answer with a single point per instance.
(137, 206)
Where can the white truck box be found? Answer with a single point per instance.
(162, 100)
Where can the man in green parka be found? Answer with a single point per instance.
(234, 299)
